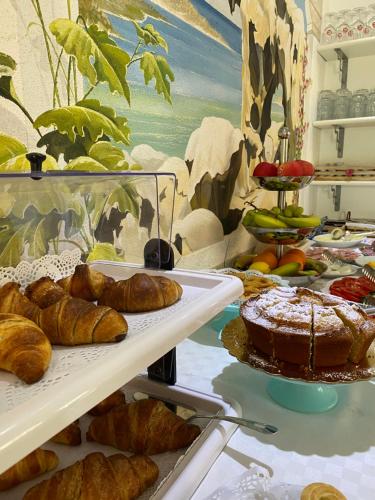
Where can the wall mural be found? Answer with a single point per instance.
(164, 83)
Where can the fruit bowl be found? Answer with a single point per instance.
(280, 236)
(283, 183)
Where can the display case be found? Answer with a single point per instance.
(120, 223)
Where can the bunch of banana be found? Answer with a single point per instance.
(292, 217)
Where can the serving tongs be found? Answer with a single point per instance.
(333, 259)
(188, 413)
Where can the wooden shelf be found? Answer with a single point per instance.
(352, 48)
(365, 121)
(343, 183)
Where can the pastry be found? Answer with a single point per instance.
(146, 426)
(98, 477)
(70, 435)
(85, 283)
(115, 399)
(33, 465)
(24, 348)
(321, 491)
(44, 292)
(307, 328)
(141, 293)
(253, 285)
(14, 302)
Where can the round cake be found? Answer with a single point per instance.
(307, 328)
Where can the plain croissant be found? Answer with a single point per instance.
(14, 302)
(24, 348)
(33, 465)
(117, 398)
(69, 321)
(98, 477)
(70, 435)
(44, 292)
(146, 426)
(141, 293)
(85, 283)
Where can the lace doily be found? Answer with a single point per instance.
(54, 266)
(256, 484)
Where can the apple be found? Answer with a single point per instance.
(265, 169)
(296, 168)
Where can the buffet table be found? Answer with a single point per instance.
(337, 447)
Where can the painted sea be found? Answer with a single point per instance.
(207, 80)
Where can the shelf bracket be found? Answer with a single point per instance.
(336, 191)
(340, 137)
(343, 60)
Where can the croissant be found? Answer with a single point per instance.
(98, 477)
(33, 465)
(44, 292)
(12, 301)
(320, 491)
(24, 348)
(115, 399)
(85, 283)
(74, 321)
(141, 293)
(70, 435)
(146, 426)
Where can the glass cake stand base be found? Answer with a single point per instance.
(302, 397)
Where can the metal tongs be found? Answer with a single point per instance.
(333, 259)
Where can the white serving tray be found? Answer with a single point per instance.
(181, 471)
(79, 377)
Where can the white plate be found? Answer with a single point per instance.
(365, 259)
(337, 274)
(321, 241)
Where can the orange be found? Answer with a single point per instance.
(290, 257)
(267, 257)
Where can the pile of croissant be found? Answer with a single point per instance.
(62, 313)
(145, 427)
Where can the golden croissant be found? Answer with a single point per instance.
(141, 293)
(44, 292)
(69, 321)
(70, 435)
(85, 283)
(115, 399)
(24, 348)
(146, 426)
(33, 465)
(321, 491)
(98, 477)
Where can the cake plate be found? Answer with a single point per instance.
(289, 385)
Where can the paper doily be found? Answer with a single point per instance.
(256, 484)
(54, 266)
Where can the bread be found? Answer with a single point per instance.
(146, 426)
(24, 348)
(33, 465)
(117, 398)
(74, 321)
(44, 292)
(85, 283)
(14, 302)
(98, 477)
(321, 491)
(141, 293)
(70, 435)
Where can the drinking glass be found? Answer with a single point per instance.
(342, 103)
(370, 108)
(344, 26)
(329, 30)
(359, 21)
(358, 103)
(371, 19)
(326, 104)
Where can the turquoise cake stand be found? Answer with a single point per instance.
(303, 397)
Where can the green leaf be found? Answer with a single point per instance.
(108, 155)
(7, 65)
(125, 199)
(12, 244)
(158, 68)
(10, 148)
(7, 90)
(98, 56)
(150, 35)
(41, 233)
(86, 164)
(104, 251)
(7, 201)
(21, 164)
(57, 144)
(87, 116)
